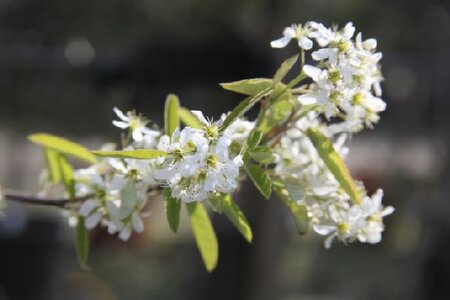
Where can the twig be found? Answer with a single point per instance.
(29, 198)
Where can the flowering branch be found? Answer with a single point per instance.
(295, 148)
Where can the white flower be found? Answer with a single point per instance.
(135, 123)
(344, 224)
(198, 162)
(298, 32)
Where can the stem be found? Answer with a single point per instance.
(29, 198)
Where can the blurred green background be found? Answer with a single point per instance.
(65, 64)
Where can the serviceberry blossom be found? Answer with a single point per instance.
(199, 162)
(312, 119)
(298, 32)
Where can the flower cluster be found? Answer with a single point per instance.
(330, 209)
(346, 82)
(203, 160)
(199, 161)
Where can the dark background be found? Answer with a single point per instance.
(65, 64)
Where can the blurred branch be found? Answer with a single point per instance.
(32, 199)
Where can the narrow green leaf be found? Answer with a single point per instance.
(278, 112)
(134, 154)
(285, 67)
(261, 180)
(243, 107)
(204, 234)
(295, 190)
(252, 141)
(188, 118)
(248, 87)
(128, 195)
(236, 216)
(262, 154)
(82, 243)
(172, 207)
(52, 159)
(63, 146)
(67, 176)
(171, 117)
(299, 212)
(334, 163)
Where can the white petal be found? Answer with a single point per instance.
(375, 104)
(93, 220)
(324, 229)
(349, 30)
(305, 43)
(387, 211)
(87, 207)
(307, 99)
(200, 116)
(121, 124)
(137, 135)
(280, 43)
(125, 233)
(312, 72)
(120, 114)
(328, 241)
(137, 223)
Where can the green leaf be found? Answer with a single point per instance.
(285, 67)
(188, 118)
(334, 163)
(134, 154)
(252, 141)
(67, 176)
(171, 118)
(62, 145)
(204, 234)
(243, 107)
(248, 87)
(82, 243)
(261, 180)
(128, 195)
(278, 112)
(172, 207)
(236, 216)
(296, 192)
(262, 154)
(54, 170)
(290, 196)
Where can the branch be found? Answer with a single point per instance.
(29, 198)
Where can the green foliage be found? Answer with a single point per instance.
(262, 154)
(248, 87)
(289, 192)
(334, 163)
(171, 117)
(62, 145)
(243, 107)
(188, 118)
(277, 113)
(82, 243)
(134, 154)
(261, 180)
(204, 234)
(252, 141)
(128, 195)
(53, 167)
(67, 176)
(172, 207)
(285, 67)
(236, 216)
